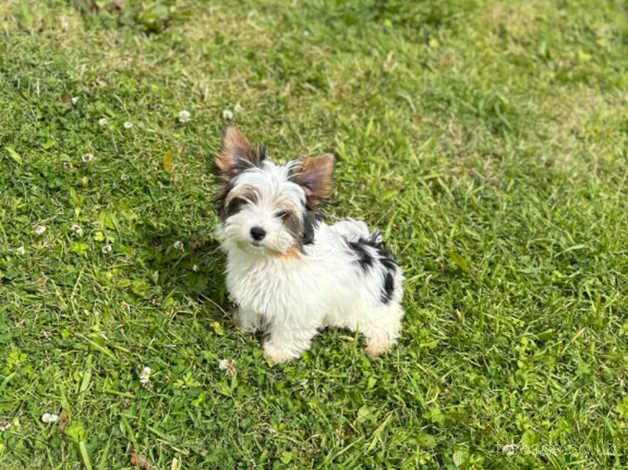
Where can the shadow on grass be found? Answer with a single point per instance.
(184, 265)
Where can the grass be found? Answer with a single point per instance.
(487, 139)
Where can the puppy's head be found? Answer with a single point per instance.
(266, 208)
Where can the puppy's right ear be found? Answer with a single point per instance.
(236, 154)
(315, 176)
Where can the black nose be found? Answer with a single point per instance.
(258, 233)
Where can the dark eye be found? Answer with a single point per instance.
(282, 214)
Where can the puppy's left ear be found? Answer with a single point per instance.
(315, 175)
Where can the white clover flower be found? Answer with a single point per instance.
(227, 114)
(4, 426)
(510, 449)
(145, 377)
(178, 245)
(102, 121)
(20, 250)
(76, 229)
(195, 268)
(127, 124)
(67, 165)
(88, 157)
(237, 108)
(74, 99)
(39, 229)
(184, 116)
(106, 249)
(49, 418)
(124, 178)
(228, 366)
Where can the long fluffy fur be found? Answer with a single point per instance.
(304, 274)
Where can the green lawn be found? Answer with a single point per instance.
(486, 139)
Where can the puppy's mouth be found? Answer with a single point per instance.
(259, 247)
(252, 245)
(256, 246)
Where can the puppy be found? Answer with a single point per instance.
(288, 271)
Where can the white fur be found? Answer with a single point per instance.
(292, 297)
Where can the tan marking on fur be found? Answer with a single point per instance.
(244, 193)
(235, 155)
(315, 175)
(235, 146)
(292, 253)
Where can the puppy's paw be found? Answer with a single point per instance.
(275, 354)
(377, 347)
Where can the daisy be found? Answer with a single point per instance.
(228, 366)
(76, 230)
(49, 418)
(510, 449)
(184, 116)
(145, 377)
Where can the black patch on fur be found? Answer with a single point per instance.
(293, 224)
(240, 166)
(261, 151)
(309, 226)
(234, 206)
(366, 260)
(389, 286)
(221, 198)
(386, 259)
(302, 230)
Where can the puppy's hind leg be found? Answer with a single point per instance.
(381, 329)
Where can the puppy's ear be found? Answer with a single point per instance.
(236, 154)
(315, 175)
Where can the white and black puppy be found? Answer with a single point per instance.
(289, 272)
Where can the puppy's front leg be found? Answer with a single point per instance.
(287, 342)
(248, 320)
